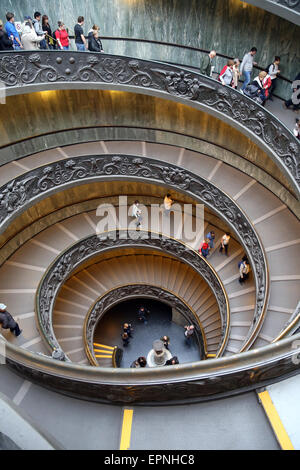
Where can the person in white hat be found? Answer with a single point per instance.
(7, 321)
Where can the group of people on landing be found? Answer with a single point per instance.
(208, 244)
(263, 85)
(36, 33)
(143, 312)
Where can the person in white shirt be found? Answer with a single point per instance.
(168, 201)
(137, 213)
(224, 243)
(273, 72)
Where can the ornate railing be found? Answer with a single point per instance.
(27, 72)
(292, 326)
(204, 380)
(134, 291)
(25, 190)
(288, 9)
(87, 248)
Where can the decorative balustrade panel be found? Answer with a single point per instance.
(31, 70)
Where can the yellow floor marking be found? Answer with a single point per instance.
(276, 423)
(104, 346)
(104, 351)
(102, 355)
(126, 429)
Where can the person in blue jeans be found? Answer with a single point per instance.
(80, 41)
(247, 67)
(211, 238)
(12, 32)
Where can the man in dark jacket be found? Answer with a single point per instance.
(7, 321)
(6, 44)
(94, 42)
(206, 63)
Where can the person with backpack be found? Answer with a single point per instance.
(226, 75)
(39, 30)
(273, 71)
(244, 269)
(247, 67)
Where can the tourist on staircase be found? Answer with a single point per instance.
(127, 328)
(226, 75)
(137, 213)
(189, 332)
(211, 239)
(247, 67)
(224, 243)
(204, 248)
(244, 268)
(7, 321)
(166, 341)
(6, 43)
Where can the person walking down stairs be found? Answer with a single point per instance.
(7, 321)
(225, 243)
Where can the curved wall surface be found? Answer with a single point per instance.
(231, 27)
(61, 111)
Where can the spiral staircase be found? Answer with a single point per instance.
(35, 237)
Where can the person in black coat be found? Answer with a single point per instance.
(7, 321)
(6, 44)
(94, 42)
(172, 362)
(125, 339)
